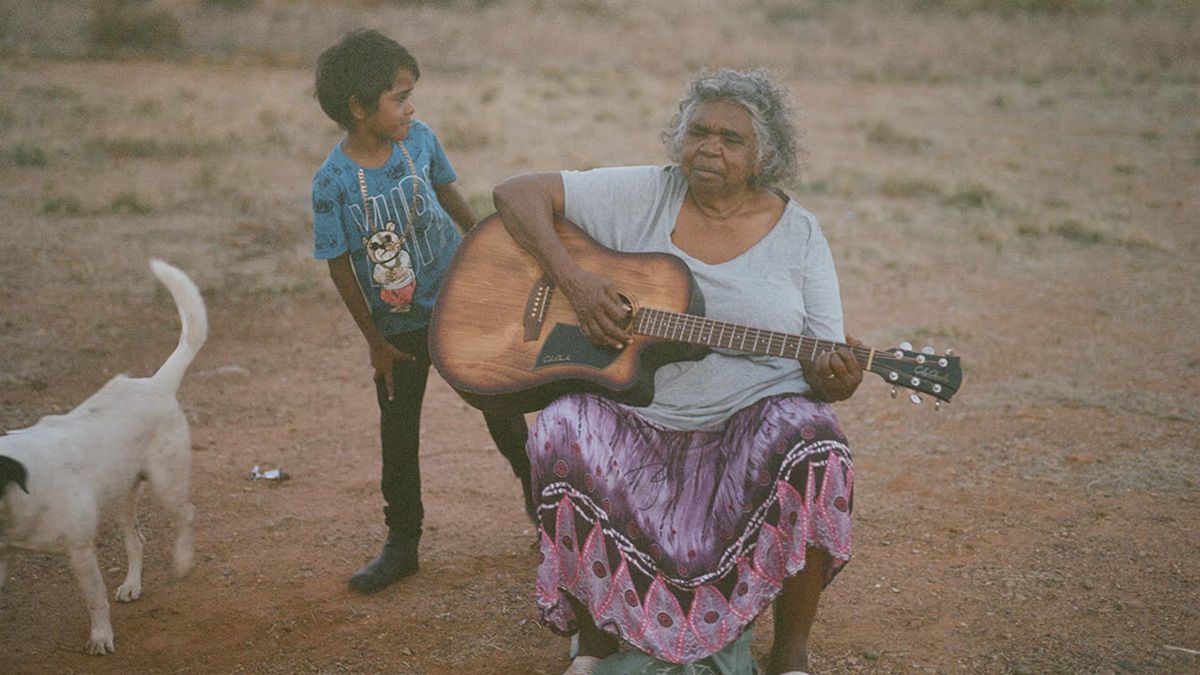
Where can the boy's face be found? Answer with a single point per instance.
(394, 109)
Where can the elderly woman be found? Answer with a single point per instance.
(672, 526)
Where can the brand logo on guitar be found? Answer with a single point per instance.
(931, 373)
(556, 358)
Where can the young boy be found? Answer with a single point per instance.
(384, 215)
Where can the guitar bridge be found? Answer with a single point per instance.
(535, 307)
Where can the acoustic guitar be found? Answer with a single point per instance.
(506, 343)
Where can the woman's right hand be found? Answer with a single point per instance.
(600, 309)
(383, 357)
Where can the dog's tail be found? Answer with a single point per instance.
(192, 315)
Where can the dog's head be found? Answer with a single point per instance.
(12, 471)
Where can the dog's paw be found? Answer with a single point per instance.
(101, 642)
(184, 558)
(184, 565)
(128, 591)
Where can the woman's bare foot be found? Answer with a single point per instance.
(582, 665)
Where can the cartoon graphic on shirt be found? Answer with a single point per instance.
(391, 268)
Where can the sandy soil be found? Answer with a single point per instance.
(1045, 521)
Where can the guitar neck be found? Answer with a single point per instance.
(698, 330)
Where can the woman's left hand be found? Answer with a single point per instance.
(834, 375)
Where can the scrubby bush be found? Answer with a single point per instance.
(1017, 7)
(119, 25)
(231, 5)
(130, 203)
(24, 154)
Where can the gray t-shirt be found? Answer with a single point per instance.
(786, 282)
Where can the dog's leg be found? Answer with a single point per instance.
(126, 515)
(184, 514)
(87, 573)
(170, 485)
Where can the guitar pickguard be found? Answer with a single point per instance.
(567, 345)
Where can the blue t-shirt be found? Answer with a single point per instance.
(399, 262)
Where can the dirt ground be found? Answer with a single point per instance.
(1020, 186)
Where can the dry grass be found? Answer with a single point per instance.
(916, 41)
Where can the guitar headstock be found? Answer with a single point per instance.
(938, 375)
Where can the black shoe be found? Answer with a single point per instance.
(398, 560)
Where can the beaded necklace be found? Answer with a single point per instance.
(362, 188)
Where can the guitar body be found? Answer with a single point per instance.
(507, 341)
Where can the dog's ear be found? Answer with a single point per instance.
(12, 471)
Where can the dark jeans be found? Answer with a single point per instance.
(400, 437)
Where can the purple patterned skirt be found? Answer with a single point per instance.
(676, 540)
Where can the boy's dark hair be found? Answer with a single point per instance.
(363, 64)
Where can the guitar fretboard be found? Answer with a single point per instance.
(698, 330)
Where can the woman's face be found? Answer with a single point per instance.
(720, 149)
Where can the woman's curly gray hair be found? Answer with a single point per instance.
(779, 144)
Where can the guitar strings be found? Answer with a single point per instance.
(669, 324)
(696, 327)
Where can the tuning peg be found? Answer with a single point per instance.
(892, 393)
(937, 405)
(926, 349)
(906, 346)
(949, 352)
(916, 400)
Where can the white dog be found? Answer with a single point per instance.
(59, 477)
